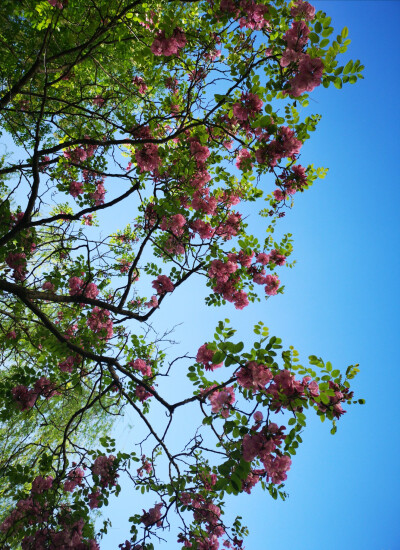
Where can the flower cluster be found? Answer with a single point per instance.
(17, 262)
(168, 46)
(204, 356)
(153, 516)
(26, 398)
(263, 445)
(163, 284)
(100, 323)
(105, 467)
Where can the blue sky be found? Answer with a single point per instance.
(341, 303)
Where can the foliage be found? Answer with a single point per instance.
(171, 116)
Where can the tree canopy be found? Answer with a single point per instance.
(170, 117)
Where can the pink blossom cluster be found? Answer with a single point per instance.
(75, 188)
(204, 202)
(255, 15)
(68, 364)
(25, 508)
(168, 46)
(304, 10)
(98, 100)
(142, 366)
(141, 393)
(163, 284)
(203, 229)
(153, 302)
(147, 157)
(71, 536)
(308, 71)
(249, 107)
(26, 398)
(17, 262)
(199, 152)
(41, 484)
(224, 284)
(286, 145)
(11, 335)
(98, 194)
(80, 154)
(94, 498)
(153, 516)
(100, 323)
(230, 227)
(145, 467)
(264, 445)
(340, 396)
(47, 285)
(175, 224)
(56, 4)
(272, 285)
(204, 356)
(254, 376)
(105, 468)
(75, 478)
(140, 84)
(221, 400)
(308, 76)
(124, 265)
(78, 287)
(285, 388)
(88, 219)
(243, 160)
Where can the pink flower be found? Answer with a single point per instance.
(98, 100)
(47, 285)
(163, 284)
(204, 229)
(41, 484)
(297, 36)
(142, 366)
(11, 335)
(142, 394)
(168, 46)
(204, 356)
(139, 82)
(100, 323)
(309, 76)
(243, 160)
(251, 105)
(147, 157)
(75, 188)
(272, 285)
(303, 10)
(254, 376)
(254, 15)
(105, 468)
(43, 386)
(75, 478)
(153, 516)
(175, 224)
(221, 400)
(94, 499)
(24, 397)
(88, 220)
(153, 302)
(199, 152)
(17, 262)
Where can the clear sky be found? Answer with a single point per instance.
(341, 303)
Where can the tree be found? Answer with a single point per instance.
(179, 113)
